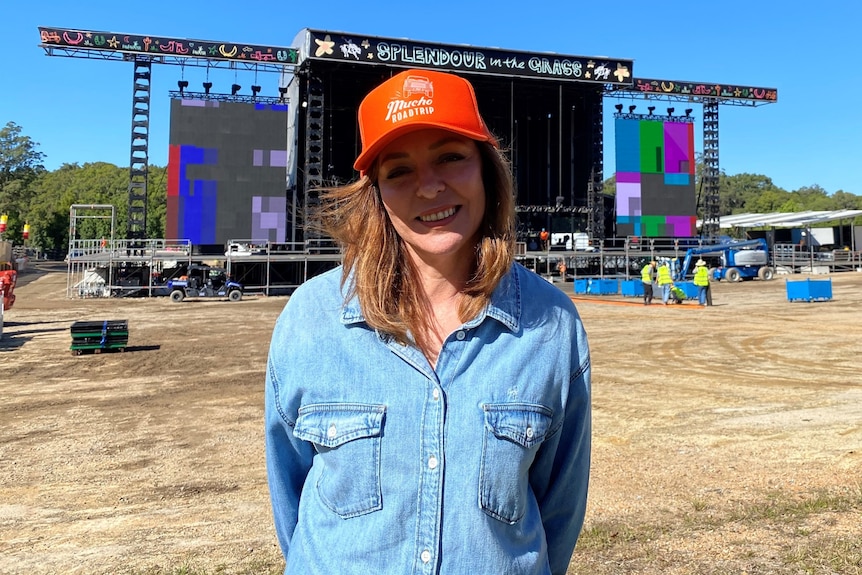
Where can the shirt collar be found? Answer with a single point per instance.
(505, 304)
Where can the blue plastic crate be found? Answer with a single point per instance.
(809, 290)
(632, 288)
(596, 286)
(689, 288)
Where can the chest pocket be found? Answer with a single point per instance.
(513, 434)
(347, 439)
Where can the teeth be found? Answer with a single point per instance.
(438, 216)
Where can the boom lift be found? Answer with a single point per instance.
(737, 260)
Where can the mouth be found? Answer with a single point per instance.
(437, 216)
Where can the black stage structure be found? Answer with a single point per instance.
(546, 109)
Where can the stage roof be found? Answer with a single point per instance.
(785, 219)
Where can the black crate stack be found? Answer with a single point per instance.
(98, 336)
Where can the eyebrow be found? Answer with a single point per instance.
(437, 144)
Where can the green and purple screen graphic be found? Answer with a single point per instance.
(655, 177)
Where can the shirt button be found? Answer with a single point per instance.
(432, 462)
(330, 433)
(460, 335)
(435, 394)
(529, 432)
(426, 556)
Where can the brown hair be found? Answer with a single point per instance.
(383, 277)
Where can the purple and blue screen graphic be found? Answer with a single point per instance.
(655, 177)
(227, 172)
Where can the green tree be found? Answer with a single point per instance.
(20, 165)
(842, 200)
(735, 192)
(768, 201)
(19, 159)
(157, 201)
(812, 198)
(97, 183)
(609, 186)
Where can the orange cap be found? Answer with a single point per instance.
(413, 100)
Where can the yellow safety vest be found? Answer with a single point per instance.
(646, 274)
(701, 276)
(664, 275)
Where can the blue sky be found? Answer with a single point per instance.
(80, 110)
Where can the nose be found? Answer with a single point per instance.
(430, 182)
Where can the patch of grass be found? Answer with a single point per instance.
(798, 547)
(602, 536)
(699, 504)
(247, 568)
(817, 556)
(781, 507)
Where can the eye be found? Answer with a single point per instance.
(451, 157)
(395, 172)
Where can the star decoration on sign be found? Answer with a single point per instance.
(365, 44)
(622, 72)
(324, 46)
(113, 43)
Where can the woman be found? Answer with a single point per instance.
(428, 404)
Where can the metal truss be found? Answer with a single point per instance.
(212, 96)
(139, 162)
(595, 185)
(711, 200)
(628, 93)
(197, 62)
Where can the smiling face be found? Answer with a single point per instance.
(430, 181)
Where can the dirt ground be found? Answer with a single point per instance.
(726, 439)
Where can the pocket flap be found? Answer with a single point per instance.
(523, 423)
(333, 424)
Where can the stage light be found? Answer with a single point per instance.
(632, 109)
(651, 109)
(619, 108)
(688, 112)
(254, 91)
(282, 92)
(234, 89)
(182, 85)
(207, 87)
(670, 111)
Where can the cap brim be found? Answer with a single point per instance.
(367, 157)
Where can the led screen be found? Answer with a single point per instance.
(655, 177)
(226, 172)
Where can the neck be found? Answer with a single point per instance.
(442, 289)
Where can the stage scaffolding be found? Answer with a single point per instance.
(142, 268)
(124, 268)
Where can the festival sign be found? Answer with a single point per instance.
(165, 46)
(705, 90)
(464, 58)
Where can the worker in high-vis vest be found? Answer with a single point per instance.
(665, 281)
(701, 280)
(648, 275)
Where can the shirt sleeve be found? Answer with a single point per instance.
(562, 478)
(288, 458)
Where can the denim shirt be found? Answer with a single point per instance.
(378, 463)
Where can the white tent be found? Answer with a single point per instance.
(784, 219)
